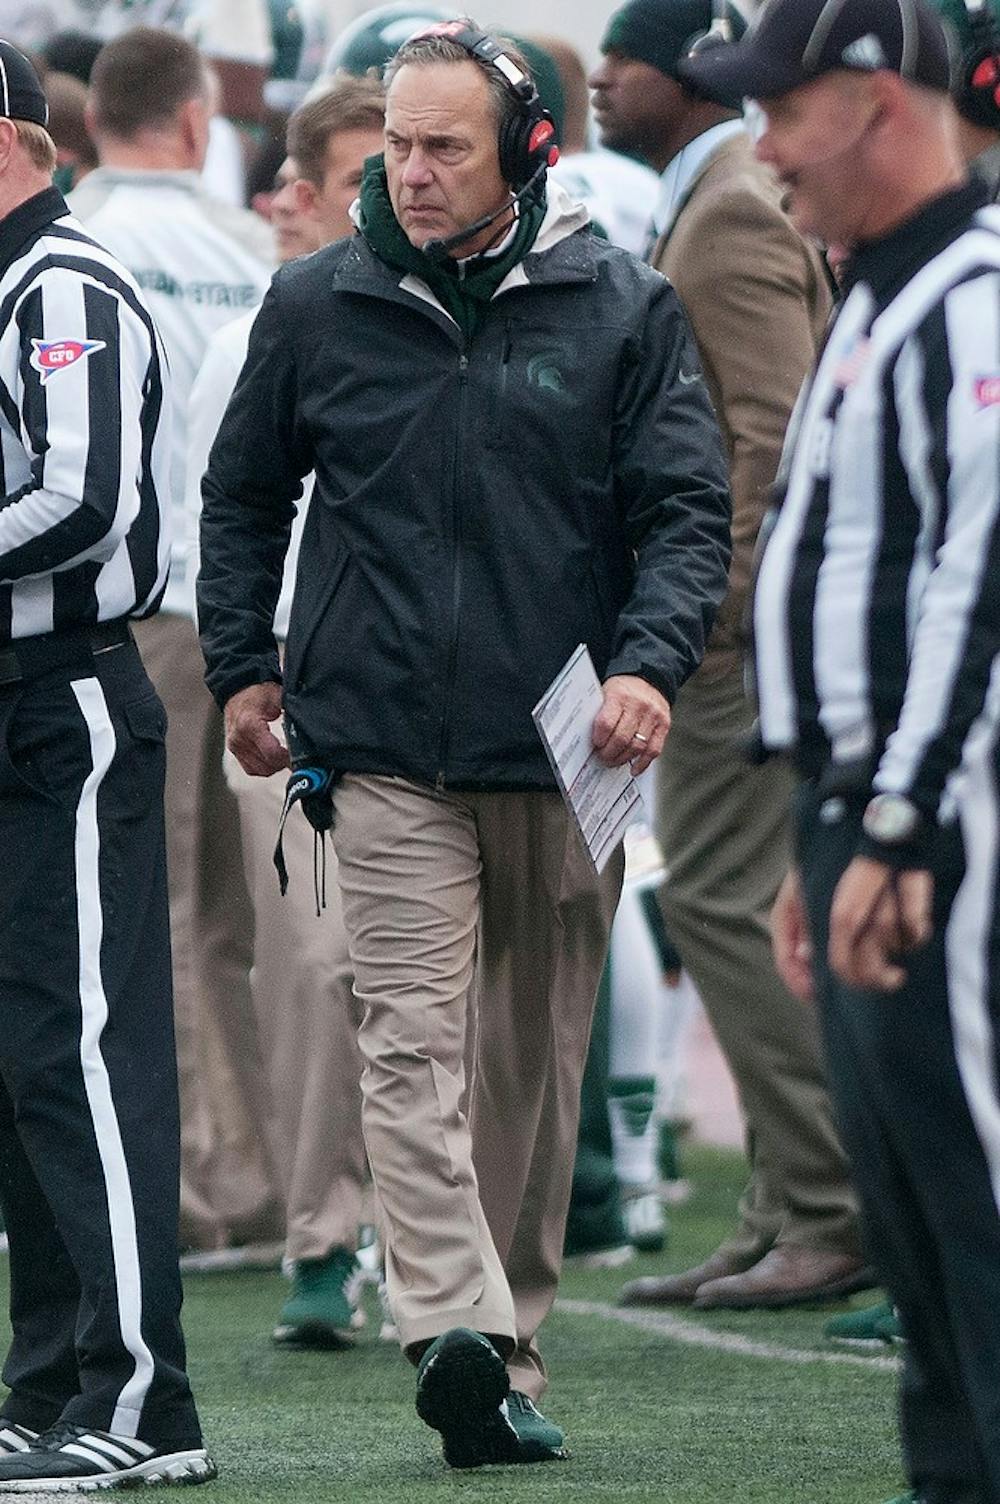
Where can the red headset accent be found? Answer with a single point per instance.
(987, 76)
(544, 131)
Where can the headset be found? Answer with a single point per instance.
(527, 142)
(719, 33)
(980, 82)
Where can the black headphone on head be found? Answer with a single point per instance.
(979, 99)
(527, 141)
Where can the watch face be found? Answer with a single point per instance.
(892, 819)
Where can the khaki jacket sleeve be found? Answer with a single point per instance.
(757, 300)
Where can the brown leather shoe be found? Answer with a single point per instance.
(680, 1289)
(787, 1276)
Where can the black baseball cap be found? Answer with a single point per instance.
(794, 42)
(21, 95)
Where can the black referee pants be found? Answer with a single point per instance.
(914, 1079)
(88, 1096)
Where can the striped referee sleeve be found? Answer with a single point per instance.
(950, 392)
(82, 361)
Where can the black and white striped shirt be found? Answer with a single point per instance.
(84, 431)
(877, 607)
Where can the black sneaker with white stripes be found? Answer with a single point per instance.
(14, 1438)
(69, 1459)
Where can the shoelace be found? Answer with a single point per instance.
(57, 1436)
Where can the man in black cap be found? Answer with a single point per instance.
(758, 302)
(877, 626)
(98, 1395)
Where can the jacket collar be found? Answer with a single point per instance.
(26, 221)
(147, 177)
(684, 170)
(559, 255)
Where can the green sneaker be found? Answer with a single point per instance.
(873, 1326)
(463, 1391)
(322, 1310)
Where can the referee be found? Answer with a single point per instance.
(877, 626)
(88, 1104)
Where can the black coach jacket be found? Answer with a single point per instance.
(479, 509)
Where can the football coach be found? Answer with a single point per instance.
(514, 453)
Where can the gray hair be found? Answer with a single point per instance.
(423, 51)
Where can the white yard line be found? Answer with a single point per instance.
(677, 1329)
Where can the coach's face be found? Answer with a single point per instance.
(441, 153)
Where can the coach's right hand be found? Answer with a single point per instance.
(249, 714)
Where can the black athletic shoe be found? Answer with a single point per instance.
(68, 1459)
(14, 1438)
(463, 1391)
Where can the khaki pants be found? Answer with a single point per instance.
(229, 1188)
(724, 828)
(307, 1020)
(473, 1211)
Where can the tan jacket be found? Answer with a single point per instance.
(758, 302)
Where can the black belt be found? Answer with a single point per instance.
(28, 657)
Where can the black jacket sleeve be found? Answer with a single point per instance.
(249, 491)
(673, 493)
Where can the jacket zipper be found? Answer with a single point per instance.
(505, 355)
(456, 579)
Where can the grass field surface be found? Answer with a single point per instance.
(647, 1417)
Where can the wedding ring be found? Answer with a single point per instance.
(637, 737)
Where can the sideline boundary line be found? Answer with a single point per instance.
(674, 1329)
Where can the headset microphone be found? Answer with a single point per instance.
(438, 250)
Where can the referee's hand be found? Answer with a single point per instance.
(249, 713)
(878, 917)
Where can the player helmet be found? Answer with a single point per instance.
(371, 40)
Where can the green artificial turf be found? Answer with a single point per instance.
(647, 1419)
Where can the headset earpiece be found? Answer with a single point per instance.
(527, 140)
(718, 34)
(980, 82)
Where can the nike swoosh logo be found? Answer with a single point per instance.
(687, 379)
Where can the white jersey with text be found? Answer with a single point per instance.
(200, 263)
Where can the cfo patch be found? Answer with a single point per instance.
(50, 356)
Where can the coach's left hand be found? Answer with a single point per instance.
(878, 915)
(632, 724)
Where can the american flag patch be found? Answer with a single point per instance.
(851, 365)
(987, 390)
